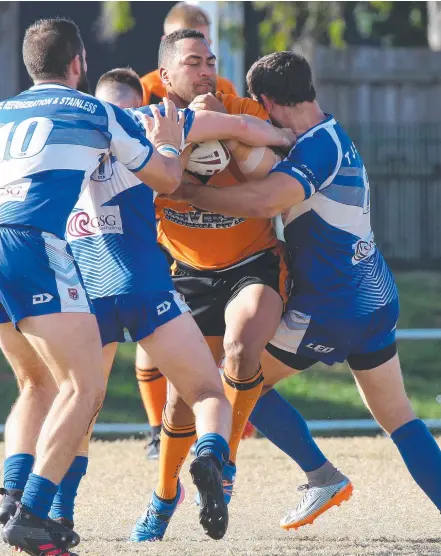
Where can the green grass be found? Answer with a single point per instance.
(321, 392)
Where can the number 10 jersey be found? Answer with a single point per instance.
(52, 138)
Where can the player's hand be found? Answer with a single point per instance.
(167, 129)
(208, 102)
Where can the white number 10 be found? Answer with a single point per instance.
(28, 139)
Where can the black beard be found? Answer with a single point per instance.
(83, 84)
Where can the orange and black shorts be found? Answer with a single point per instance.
(209, 292)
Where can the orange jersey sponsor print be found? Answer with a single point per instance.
(154, 89)
(208, 241)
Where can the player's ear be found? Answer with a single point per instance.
(267, 103)
(163, 74)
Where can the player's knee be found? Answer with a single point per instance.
(213, 395)
(44, 389)
(89, 393)
(177, 411)
(241, 359)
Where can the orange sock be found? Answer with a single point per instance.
(175, 445)
(243, 396)
(153, 388)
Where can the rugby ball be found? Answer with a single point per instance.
(208, 158)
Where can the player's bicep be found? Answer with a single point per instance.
(281, 192)
(313, 162)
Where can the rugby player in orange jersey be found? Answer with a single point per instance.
(229, 270)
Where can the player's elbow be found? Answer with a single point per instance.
(265, 207)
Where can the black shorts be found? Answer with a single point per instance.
(208, 292)
(356, 361)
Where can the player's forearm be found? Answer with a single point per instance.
(259, 133)
(253, 162)
(162, 173)
(246, 129)
(242, 201)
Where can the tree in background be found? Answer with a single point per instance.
(303, 24)
(115, 19)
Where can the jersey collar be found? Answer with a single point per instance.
(50, 86)
(328, 120)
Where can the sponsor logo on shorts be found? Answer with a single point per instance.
(163, 307)
(14, 192)
(41, 298)
(202, 219)
(363, 249)
(73, 293)
(319, 348)
(83, 224)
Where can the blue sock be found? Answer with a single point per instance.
(215, 445)
(64, 501)
(422, 457)
(38, 495)
(283, 425)
(17, 470)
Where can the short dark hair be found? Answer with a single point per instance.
(49, 46)
(167, 48)
(284, 77)
(122, 76)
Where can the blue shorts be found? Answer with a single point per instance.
(302, 340)
(140, 314)
(38, 275)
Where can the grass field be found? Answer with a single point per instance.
(387, 516)
(322, 392)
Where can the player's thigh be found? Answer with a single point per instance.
(181, 352)
(70, 346)
(215, 343)
(25, 362)
(253, 316)
(383, 390)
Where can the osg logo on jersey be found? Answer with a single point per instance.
(15, 192)
(82, 223)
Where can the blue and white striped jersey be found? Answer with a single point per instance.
(112, 231)
(52, 138)
(335, 263)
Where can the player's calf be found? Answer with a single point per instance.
(385, 396)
